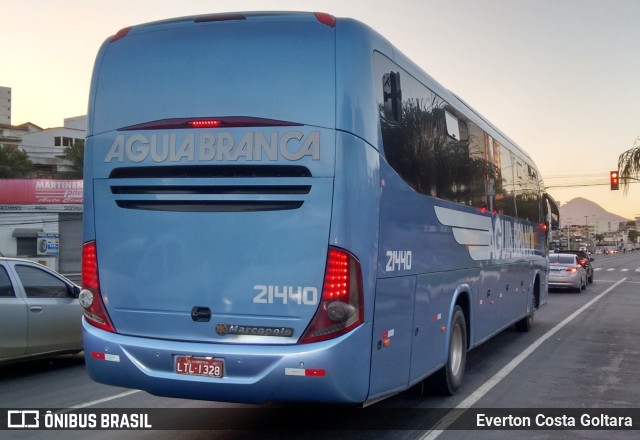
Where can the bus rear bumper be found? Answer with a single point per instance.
(330, 371)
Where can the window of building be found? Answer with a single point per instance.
(27, 246)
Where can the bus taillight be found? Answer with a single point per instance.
(209, 122)
(205, 123)
(336, 276)
(90, 297)
(341, 308)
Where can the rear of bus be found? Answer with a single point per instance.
(217, 261)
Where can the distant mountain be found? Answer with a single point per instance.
(577, 209)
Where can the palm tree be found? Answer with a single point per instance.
(14, 163)
(629, 165)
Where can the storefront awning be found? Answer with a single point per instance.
(26, 233)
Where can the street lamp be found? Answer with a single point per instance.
(569, 220)
(586, 224)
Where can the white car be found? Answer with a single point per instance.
(566, 272)
(39, 312)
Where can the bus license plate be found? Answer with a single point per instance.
(192, 366)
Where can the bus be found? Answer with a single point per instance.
(283, 207)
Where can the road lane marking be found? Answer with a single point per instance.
(624, 270)
(611, 269)
(106, 399)
(478, 394)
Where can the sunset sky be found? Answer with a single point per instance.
(560, 77)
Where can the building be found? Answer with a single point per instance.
(605, 227)
(41, 220)
(46, 147)
(41, 217)
(5, 105)
(594, 235)
(11, 135)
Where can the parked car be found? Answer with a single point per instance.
(39, 312)
(585, 261)
(566, 272)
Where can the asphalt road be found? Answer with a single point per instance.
(582, 353)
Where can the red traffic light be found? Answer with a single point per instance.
(614, 180)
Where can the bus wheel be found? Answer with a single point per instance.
(449, 378)
(525, 324)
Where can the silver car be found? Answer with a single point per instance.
(566, 272)
(39, 312)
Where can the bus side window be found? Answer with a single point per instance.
(392, 95)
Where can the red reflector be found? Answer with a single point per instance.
(315, 373)
(97, 355)
(325, 18)
(120, 34)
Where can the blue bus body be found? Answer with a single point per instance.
(230, 157)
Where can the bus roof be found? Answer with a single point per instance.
(350, 69)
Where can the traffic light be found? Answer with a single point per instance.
(614, 180)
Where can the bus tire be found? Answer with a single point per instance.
(525, 324)
(449, 378)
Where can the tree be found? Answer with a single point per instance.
(14, 163)
(75, 155)
(599, 238)
(629, 165)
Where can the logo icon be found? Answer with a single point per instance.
(222, 329)
(23, 418)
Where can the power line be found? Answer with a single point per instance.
(37, 222)
(578, 180)
(575, 185)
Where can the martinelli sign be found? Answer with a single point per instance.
(40, 195)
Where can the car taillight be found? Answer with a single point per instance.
(90, 297)
(572, 269)
(341, 307)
